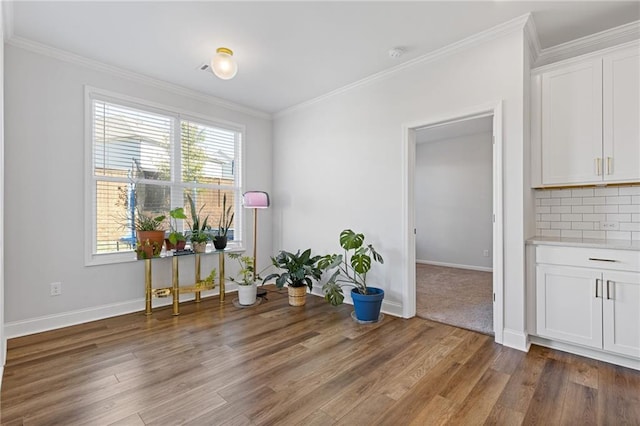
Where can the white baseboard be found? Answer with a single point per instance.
(456, 265)
(586, 352)
(81, 316)
(515, 339)
(388, 307)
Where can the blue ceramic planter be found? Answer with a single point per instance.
(367, 306)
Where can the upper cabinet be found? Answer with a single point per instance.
(585, 120)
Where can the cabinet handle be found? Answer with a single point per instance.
(598, 166)
(608, 289)
(609, 163)
(598, 281)
(602, 260)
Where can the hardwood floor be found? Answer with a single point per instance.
(275, 364)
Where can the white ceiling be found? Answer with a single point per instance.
(288, 52)
(454, 130)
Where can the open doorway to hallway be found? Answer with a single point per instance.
(454, 223)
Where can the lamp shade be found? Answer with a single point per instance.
(223, 65)
(255, 200)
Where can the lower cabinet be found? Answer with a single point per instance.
(592, 307)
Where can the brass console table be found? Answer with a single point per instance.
(175, 290)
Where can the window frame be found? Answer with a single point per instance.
(178, 115)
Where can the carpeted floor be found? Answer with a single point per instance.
(458, 297)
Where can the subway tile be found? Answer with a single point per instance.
(635, 199)
(588, 226)
(599, 192)
(619, 200)
(571, 217)
(594, 234)
(560, 193)
(594, 200)
(571, 201)
(550, 217)
(635, 236)
(629, 190)
(625, 217)
(568, 233)
(635, 217)
(629, 208)
(550, 233)
(581, 209)
(629, 226)
(560, 209)
(593, 217)
(543, 209)
(606, 209)
(536, 202)
(560, 225)
(538, 218)
(618, 235)
(543, 225)
(543, 194)
(582, 192)
(550, 201)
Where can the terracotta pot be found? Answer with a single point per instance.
(178, 246)
(150, 242)
(297, 295)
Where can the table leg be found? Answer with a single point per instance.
(147, 286)
(197, 276)
(221, 266)
(176, 287)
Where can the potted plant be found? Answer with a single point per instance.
(351, 270)
(301, 269)
(199, 235)
(149, 235)
(175, 240)
(246, 279)
(226, 219)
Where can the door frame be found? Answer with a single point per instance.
(408, 205)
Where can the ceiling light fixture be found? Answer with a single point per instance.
(223, 65)
(396, 52)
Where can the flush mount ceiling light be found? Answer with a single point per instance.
(396, 52)
(223, 65)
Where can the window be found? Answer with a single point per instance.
(144, 161)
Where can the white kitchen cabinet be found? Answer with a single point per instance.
(585, 119)
(589, 297)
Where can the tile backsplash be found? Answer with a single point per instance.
(606, 213)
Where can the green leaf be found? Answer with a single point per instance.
(361, 263)
(349, 240)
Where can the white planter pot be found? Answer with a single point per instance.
(247, 294)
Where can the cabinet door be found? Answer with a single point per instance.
(621, 114)
(568, 304)
(621, 313)
(572, 124)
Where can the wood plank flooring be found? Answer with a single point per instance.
(273, 364)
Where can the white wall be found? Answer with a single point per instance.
(3, 343)
(453, 201)
(338, 162)
(44, 207)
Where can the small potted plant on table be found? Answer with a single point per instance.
(176, 240)
(149, 235)
(301, 269)
(226, 219)
(351, 270)
(246, 279)
(199, 235)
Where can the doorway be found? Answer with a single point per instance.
(453, 211)
(494, 113)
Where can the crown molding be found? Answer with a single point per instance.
(587, 44)
(531, 36)
(66, 56)
(7, 19)
(516, 24)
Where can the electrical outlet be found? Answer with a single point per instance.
(56, 289)
(485, 253)
(609, 226)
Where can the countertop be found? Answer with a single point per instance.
(586, 242)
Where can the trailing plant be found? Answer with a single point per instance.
(198, 226)
(350, 268)
(301, 269)
(174, 235)
(226, 218)
(211, 278)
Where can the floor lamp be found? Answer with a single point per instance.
(256, 200)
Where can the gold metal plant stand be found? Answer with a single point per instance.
(176, 289)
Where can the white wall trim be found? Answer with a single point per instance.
(52, 322)
(388, 307)
(456, 265)
(7, 19)
(63, 55)
(531, 36)
(587, 352)
(515, 339)
(516, 24)
(590, 43)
